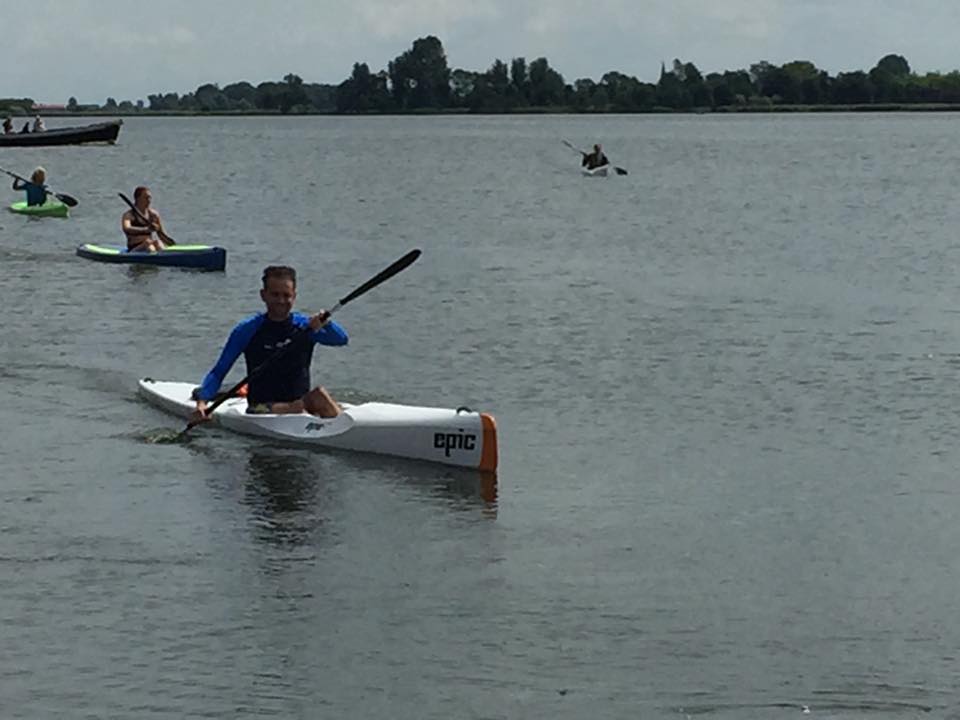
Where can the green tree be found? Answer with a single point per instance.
(353, 94)
(895, 65)
(801, 82)
(720, 90)
(947, 87)
(696, 88)
(363, 91)
(852, 88)
(420, 77)
(210, 98)
(890, 78)
(237, 92)
(292, 93)
(583, 90)
(462, 84)
(601, 99)
(492, 91)
(760, 75)
(627, 94)
(72, 104)
(671, 92)
(520, 80)
(500, 87)
(546, 84)
(740, 84)
(269, 95)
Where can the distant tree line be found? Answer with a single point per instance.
(420, 80)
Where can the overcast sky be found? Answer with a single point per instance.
(92, 49)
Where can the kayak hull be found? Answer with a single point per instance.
(461, 437)
(602, 171)
(51, 208)
(106, 132)
(201, 257)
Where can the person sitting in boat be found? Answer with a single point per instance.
(595, 159)
(25, 128)
(7, 126)
(38, 125)
(36, 192)
(143, 226)
(285, 386)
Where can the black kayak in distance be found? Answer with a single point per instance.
(106, 132)
(199, 257)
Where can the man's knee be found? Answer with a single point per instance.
(319, 402)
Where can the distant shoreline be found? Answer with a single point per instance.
(724, 110)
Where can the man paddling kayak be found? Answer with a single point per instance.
(285, 386)
(595, 159)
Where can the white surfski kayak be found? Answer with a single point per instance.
(601, 171)
(453, 437)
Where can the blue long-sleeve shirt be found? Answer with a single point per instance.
(259, 338)
(36, 194)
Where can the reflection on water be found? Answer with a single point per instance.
(281, 487)
(135, 272)
(460, 487)
(467, 486)
(287, 489)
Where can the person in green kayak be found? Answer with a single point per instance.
(143, 226)
(284, 385)
(595, 159)
(36, 192)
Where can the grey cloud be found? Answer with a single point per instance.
(88, 49)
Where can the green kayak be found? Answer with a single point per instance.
(51, 208)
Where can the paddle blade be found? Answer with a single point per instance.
(383, 275)
(165, 436)
(68, 200)
(621, 171)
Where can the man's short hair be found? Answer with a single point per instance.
(279, 271)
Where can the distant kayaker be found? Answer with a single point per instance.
(36, 192)
(144, 228)
(284, 386)
(595, 159)
(38, 125)
(7, 126)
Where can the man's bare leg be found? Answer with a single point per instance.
(316, 402)
(319, 402)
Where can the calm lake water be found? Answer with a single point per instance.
(726, 387)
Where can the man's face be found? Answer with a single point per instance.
(279, 296)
